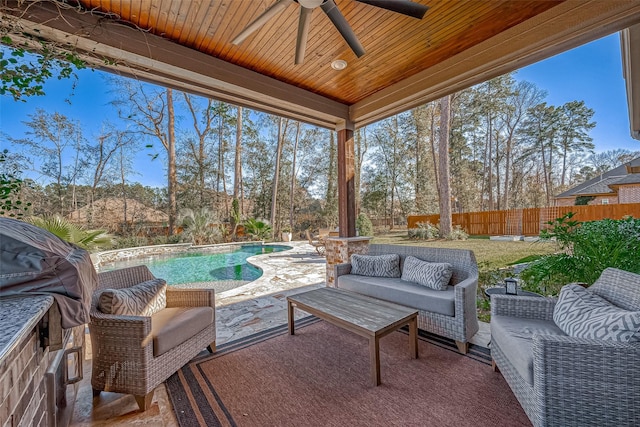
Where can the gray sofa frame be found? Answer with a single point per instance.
(464, 324)
(576, 381)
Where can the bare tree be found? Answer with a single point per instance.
(51, 136)
(146, 110)
(102, 154)
(203, 126)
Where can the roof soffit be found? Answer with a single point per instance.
(155, 59)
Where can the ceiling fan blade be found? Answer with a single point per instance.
(272, 11)
(303, 33)
(405, 7)
(333, 13)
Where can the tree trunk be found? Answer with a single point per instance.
(276, 177)
(490, 163)
(293, 177)
(433, 146)
(237, 175)
(124, 190)
(330, 196)
(443, 154)
(171, 150)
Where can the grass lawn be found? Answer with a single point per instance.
(490, 254)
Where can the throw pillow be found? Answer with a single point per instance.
(143, 299)
(376, 265)
(582, 314)
(434, 275)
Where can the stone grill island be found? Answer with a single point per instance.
(45, 294)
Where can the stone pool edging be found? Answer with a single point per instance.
(124, 254)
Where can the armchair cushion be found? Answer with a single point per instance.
(434, 275)
(514, 336)
(387, 265)
(143, 299)
(581, 313)
(173, 326)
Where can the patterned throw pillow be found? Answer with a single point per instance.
(376, 265)
(434, 275)
(582, 314)
(143, 299)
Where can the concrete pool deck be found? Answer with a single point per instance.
(241, 311)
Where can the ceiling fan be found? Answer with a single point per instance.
(329, 7)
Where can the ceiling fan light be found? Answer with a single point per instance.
(310, 4)
(339, 64)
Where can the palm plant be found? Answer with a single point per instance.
(199, 225)
(256, 229)
(72, 233)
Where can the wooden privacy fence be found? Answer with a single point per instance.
(526, 222)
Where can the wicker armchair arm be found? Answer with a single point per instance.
(577, 377)
(191, 298)
(120, 333)
(524, 307)
(342, 269)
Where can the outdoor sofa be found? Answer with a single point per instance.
(573, 379)
(451, 312)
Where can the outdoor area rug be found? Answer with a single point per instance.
(320, 377)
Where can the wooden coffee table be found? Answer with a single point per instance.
(368, 317)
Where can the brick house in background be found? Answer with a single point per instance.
(619, 185)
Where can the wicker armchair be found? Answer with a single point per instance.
(123, 348)
(569, 381)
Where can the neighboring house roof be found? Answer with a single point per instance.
(602, 183)
(633, 178)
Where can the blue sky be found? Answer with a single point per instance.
(592, 73)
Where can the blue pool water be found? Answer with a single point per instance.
(203, 267)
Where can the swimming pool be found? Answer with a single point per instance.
(189, 267)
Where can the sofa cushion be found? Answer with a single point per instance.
(514, 336)
(582, 314)
(401, 292)
(143, 299)
(434, 275)
(387, 265)
(173, 326)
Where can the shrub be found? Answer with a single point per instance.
(586, 249)
(364, 225)
(583, 200)
(457, 234)
(90, 240)
(200, 226)
(425, 231)
(256, 229)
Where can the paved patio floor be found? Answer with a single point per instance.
(242, 311)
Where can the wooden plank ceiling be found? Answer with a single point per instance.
(397, 46)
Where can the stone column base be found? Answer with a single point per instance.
(339, 250)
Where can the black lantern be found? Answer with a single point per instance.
(511, 286)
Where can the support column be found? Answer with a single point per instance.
(346, 182)
(338, 250)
